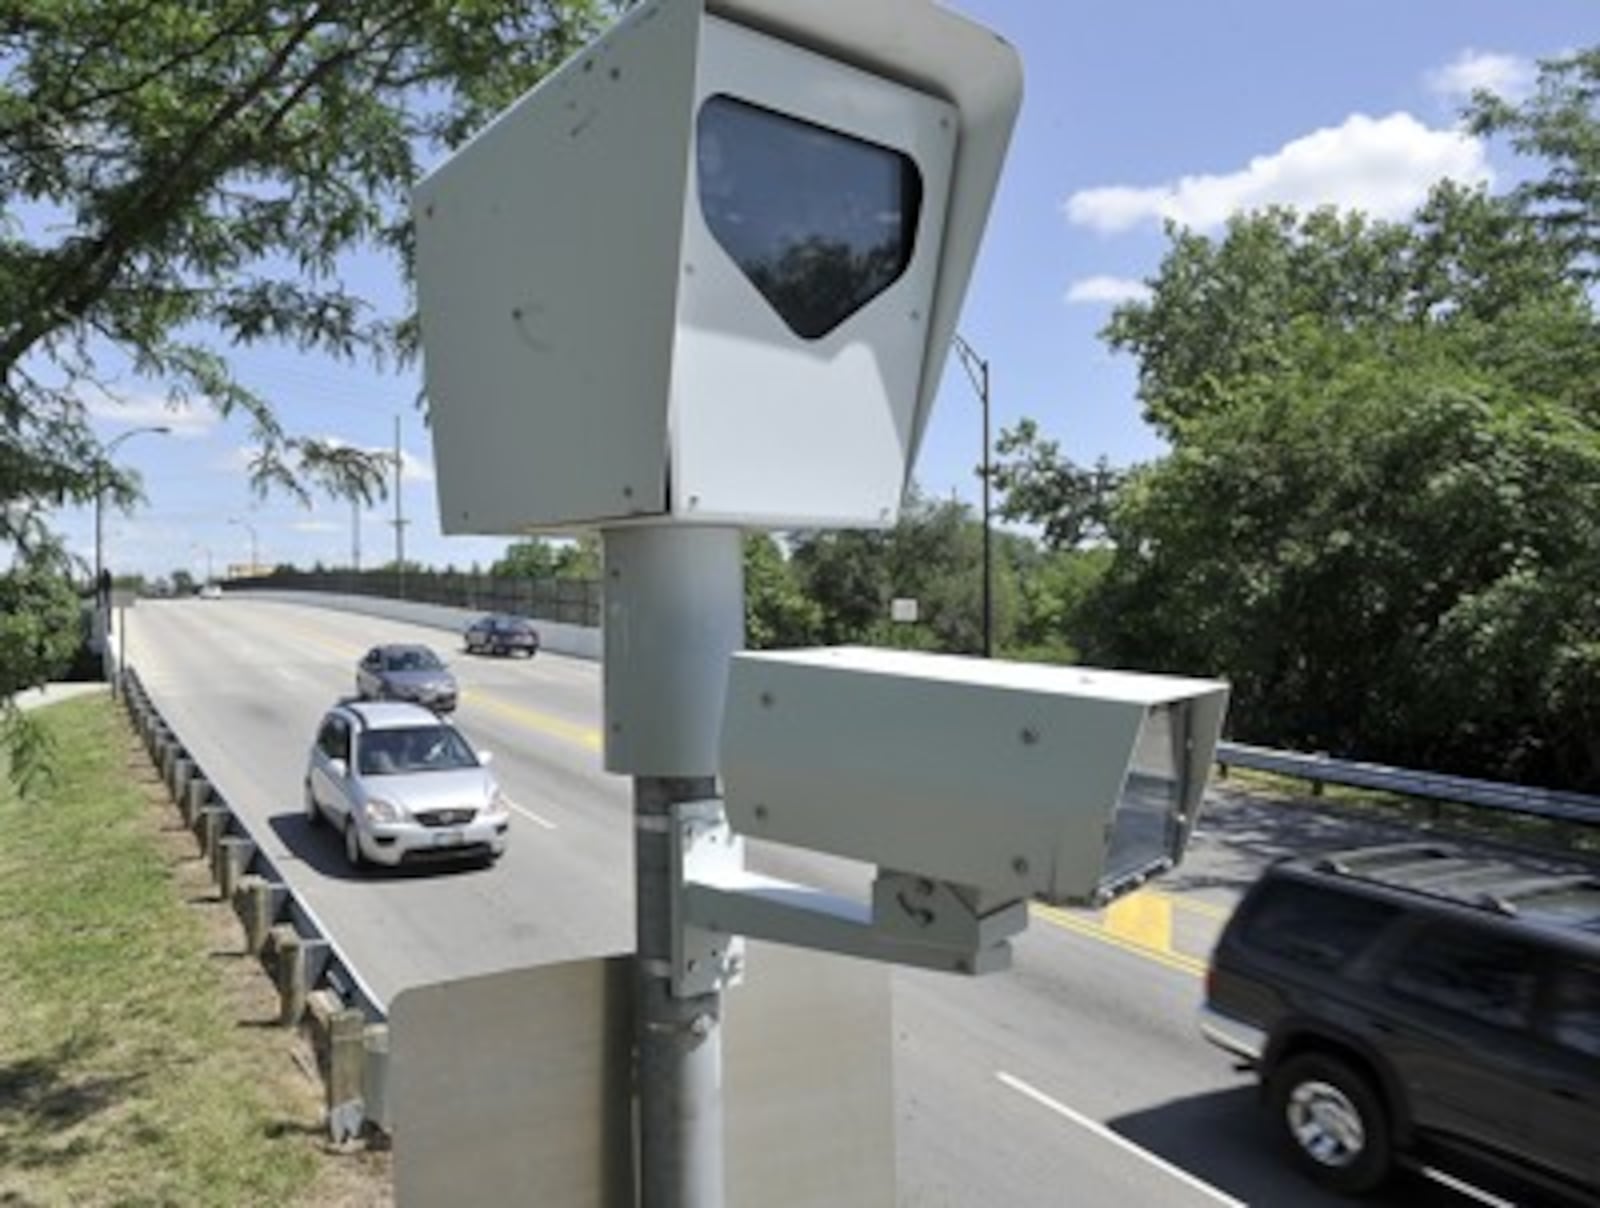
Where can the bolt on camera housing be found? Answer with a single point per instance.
(708, 270)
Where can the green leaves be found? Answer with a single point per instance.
(177, 180)
(1380, 518)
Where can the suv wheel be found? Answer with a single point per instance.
(313, 814)
(1333, 1122)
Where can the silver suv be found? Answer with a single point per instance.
(402, 785)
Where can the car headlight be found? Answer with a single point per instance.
(379, 810)
(499, 803)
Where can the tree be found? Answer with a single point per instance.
(182, 582)
(1560, 125)
(1220, 310)
(933, 554)
(41, 630)
(579, 559)
(176, 179)
(534, 559)
(777, 613)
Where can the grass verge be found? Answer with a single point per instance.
(138, 1064)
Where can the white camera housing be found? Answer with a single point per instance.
(1012, 780)
(709, 269)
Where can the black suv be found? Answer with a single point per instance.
(1413, 1004)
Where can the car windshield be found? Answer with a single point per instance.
(401, 751)
(412, 660)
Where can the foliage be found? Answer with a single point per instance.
(777, 614)
(41, 629)
(934, 555)
(1221, 309)
(534, 559)
(1380, 516)
(178, 178)
(1560, 125)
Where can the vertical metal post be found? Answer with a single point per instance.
(122, 645)
(355, 535)
(674, 613)
(399, 521)
(988, 530)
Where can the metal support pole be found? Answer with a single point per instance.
(674, 604)
(977, 370)
(988, 528)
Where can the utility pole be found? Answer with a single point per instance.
(399, 520)
(355, 534)
(978, 373)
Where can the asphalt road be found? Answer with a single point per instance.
(1078, 1078)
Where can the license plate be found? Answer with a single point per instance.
(449, 839)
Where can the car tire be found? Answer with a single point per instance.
(352, 846)
(313, 812)
(1333, 1121)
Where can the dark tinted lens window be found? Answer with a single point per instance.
(1574, 1016)
(819, 221)
(1488, 979)
(1311, 926)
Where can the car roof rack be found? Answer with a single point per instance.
(1442, 871)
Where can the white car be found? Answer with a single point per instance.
(403, 786)
(210, 591)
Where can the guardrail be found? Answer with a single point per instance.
(317, 986)
(1433, 786)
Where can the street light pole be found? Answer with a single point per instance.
(255, 557)
(978, 373)
(100, 492)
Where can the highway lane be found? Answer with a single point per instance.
(1076, 1078)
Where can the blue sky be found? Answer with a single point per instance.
(1133, 111)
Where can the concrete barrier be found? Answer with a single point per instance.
(578, 641)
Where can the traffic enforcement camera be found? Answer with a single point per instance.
(709, 269)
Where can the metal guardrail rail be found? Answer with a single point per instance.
(1322, 769)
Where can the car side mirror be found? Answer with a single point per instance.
(339, 768)
(485, 757)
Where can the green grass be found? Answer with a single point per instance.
(125, 1076)
(1444, 817)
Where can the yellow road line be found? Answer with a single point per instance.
(1094, 931)
(545, 723)
(1143, 919)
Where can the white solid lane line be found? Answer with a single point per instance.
(1105, 1134)
(533, 817)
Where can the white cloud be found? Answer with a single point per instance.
(1384, 166)
(1470, 71)
(146, 410)
(1104, 289)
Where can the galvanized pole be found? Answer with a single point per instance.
(674, 613)
(988, 529)
(399, 521)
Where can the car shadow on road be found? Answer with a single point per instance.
(1225, 1139)
(321, 849)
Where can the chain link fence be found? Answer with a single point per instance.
(565, 601)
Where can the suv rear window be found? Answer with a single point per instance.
(1318, 928)
(1485, 978)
